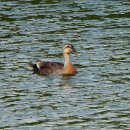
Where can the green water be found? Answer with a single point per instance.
(98, 97)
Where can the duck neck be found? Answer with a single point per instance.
(67, 59)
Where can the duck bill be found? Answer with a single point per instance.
(75, 52)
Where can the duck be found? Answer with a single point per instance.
(56, 68)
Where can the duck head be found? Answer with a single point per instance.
(69, 48)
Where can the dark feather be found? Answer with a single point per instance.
(46, 67)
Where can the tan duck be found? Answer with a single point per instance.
(52, 68)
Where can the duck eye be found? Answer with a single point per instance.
(68, 46)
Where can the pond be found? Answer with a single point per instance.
(97, 97)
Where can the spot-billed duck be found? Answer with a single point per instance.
(51, 68)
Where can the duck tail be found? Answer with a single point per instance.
(32, 66)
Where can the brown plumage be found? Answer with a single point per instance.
(52, 68)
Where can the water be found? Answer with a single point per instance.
(98, 97)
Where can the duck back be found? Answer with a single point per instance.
(47, 68)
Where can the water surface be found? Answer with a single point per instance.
(98, 97)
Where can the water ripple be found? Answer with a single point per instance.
(97, 97)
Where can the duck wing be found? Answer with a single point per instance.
(46, 67)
